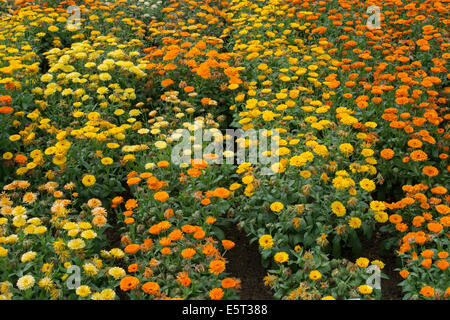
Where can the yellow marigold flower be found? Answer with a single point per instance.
(354, 222)
(235, 186)
(276, 206)
(367, 185)
(362, 262)
(88, 180)
(28, 256)
(365, 289)
(338, 208)
(315, 275)
(83, 291)
(266, 241)
(281, 257)
(377, 206)
(76, 244)
(108, 294)
(379, 263)
(346, 148)
(25, 282)
(247, 179)
(381, 216)
(107, 161)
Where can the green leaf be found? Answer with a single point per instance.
(336, 246)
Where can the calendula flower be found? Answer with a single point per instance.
(216, 294)
(338, 208)
(354, 222)
(365, 289)
(362, 262)
(25, 282)
(88, 180)
(367, 185)
(315, 275)
(83, 291)
(276, 206)
(281, 257)
(266, 241)
(107, 161)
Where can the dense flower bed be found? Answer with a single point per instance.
(92, 115)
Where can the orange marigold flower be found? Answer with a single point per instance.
(6, 110)
(168, 213)
(420, 239)
(128, 213)
(188, 253)
(435, 227)
(445, 221)
(133, 181)
(415, 143)
(430, 171)
(166, 251)
(199, 234)
(221, 193)
(426, 263)
(128, 283)
(145, 175)
(427, 291)
(21, 159)
(209, 249)
(387, 154)
(116, 201)
(228, 283)
(404, 274)
(151, 288)
(176, 235)
(155, 229)
(439, 190)
(161, 196)
(125, 240)
(443, 255)
(427, 254)
(205, 201)
(187, 228)
(419, 155)
(147, 245)
(417, 221)
(194, 172)
(402, 227)
(132, 248)
(163, 164)
(166, 82)
(131, 204)
(227, 244)
(217, 266)
(395, 218)
(216, 294)
(99, 220)
(183, 279)
(133, 267)
(442, 264)
(165, 241)
(199, 163)
(443, 209)
(210, 220)
(165, 225)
